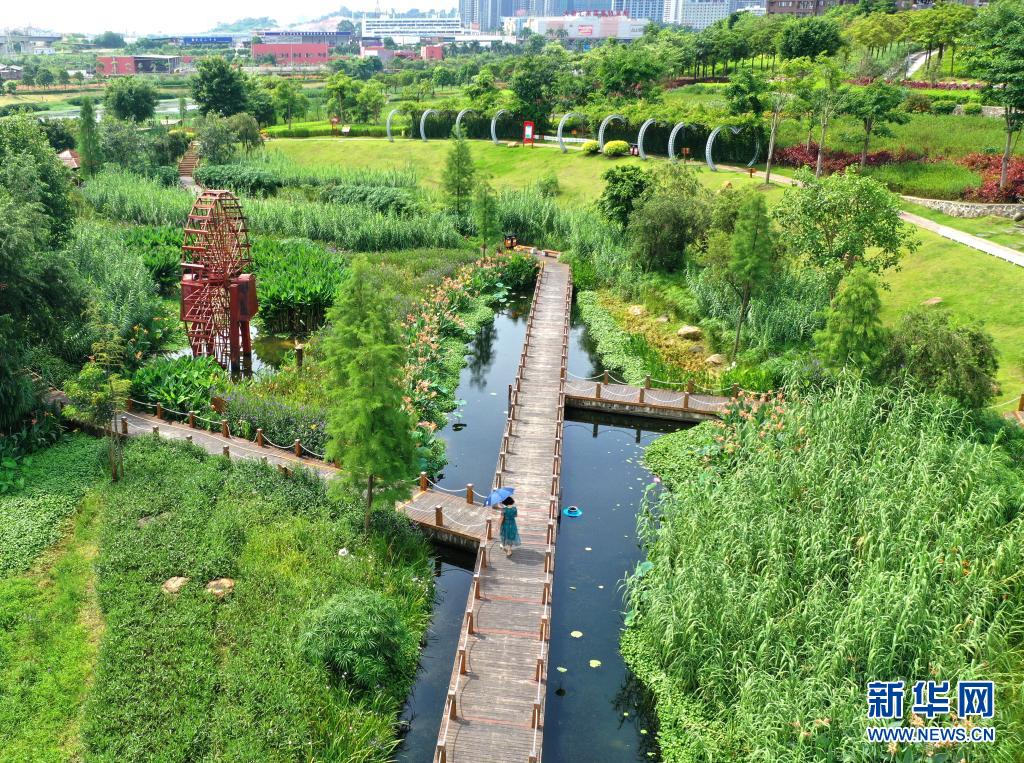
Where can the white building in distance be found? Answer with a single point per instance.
(412, 29)
(583, 26)
(698, 14)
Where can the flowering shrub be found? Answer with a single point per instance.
(914, 84)
(436, 333)
(837, 161)
(989, 167)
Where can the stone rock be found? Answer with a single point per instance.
(932, 302)
(636, 310)
(697, 349)
(690, 332)
(715, 360)
(662, 319)
(220, 587)
(145, 521)
(174, 585)
(1019, 217)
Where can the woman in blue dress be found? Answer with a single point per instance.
(509, 529)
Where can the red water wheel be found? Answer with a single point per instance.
(218, 299)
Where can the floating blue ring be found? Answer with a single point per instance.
(572, 511)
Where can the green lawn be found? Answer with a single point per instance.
(1001, 230)
(579, 176)
(972, 285)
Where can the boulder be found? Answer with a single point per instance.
(1019, 216)
(715, 360)
(662, 319)
(690, 332)
(932, 302)
(697, 349)
(636, 310)
(220, 587)
(174, 585)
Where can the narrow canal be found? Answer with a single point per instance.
(594, 713)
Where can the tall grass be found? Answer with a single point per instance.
(860, 535)
(931, 180)
(129, 198)
(292, 173)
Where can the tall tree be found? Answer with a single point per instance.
(853, 333)
(843, 220)
(754, 256)
(827, 96)
(131, 98)
(746, 93)
(485, 215)
(289, 101)
(217, 88)
(370, 429)
(876, 106)
(624, 185)
(811, 36)
(459, 173)
(995, 48)
(672, 216)
(88, 139)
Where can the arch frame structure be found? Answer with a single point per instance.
(561, 125)
(458, 119)
(494, 125)
(423, 123)
(735, 131)
(604, 123)
(391, 115)
(640, 137)
(672, 139)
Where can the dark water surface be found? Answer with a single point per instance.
(592, 713)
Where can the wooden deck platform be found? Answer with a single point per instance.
(495, 705)
(651, 402)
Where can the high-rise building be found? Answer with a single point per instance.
(652, 10)
(696, 14)
(804, 7)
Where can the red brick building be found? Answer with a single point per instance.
(292, 54)
(431, 52)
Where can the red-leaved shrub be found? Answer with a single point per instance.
(837, 161)
(989, 166)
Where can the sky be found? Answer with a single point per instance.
(141, 17)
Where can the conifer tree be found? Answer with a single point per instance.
(485, 215)
(752, 256)
(458, 175)
(370, 430)
(88, 140)
(853, 333)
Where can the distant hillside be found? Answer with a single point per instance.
(246, 25)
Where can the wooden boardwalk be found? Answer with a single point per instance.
(674, 404)
(495, 705)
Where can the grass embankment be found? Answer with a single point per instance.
(49, 618)
(579, 177)
(142, 674)
(777, 584)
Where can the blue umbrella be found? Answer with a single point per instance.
(498, 495)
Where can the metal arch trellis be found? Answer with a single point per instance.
(494, 125)
(423, 123)
(458, 119)
(390, 117)
(604, 123)
(735, 131)
(640, 137)
(561, 124)
(672, 139)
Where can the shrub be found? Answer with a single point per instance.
(160, 247)
(616, 148)
(918, 103)
(180, 384)
(297, 282)
(591, 147)
(943, 106)
(240, 178)
(547, 185)
(361, 637)
(972, 108)
(282, 423)
(383, 199)
(988, 164)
